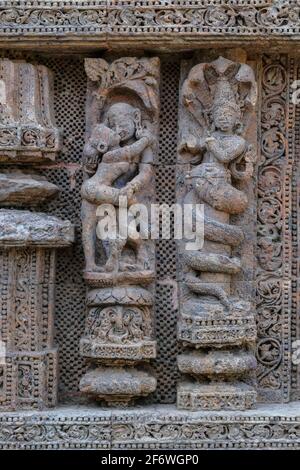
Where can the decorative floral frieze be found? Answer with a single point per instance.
(273, 230)
(179, 16)
(54, 433)
(156, 430)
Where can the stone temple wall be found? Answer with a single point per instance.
(149, 344)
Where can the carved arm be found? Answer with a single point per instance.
(226, 153)
(128, 153)
(145, 174)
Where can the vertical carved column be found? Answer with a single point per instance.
(122, 126)
(28, 240)
(276, 230)
(215, 167)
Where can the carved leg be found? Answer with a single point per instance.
(95, 192)
(205, 288)
(115, 250)
(222, 196)
(142, 255)
(89, 220)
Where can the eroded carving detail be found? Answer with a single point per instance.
(30, 362)
(274, 258)
(27, 128)
(123, 18)
(27, 240)
(215, 157)
(118, 163)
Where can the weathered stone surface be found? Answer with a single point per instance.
(124, 295)
(117, 386)
(215, 396)
(277, 296)
(216, 316)
(28, 241)
(218, 363)
(18, 188)
(122, 117)
(119, 325)
(214, 158)
(24, 228)
(118, 162)
(27, 128)
(152, 427)
(161, 25)
(29, 365)
(209, 324)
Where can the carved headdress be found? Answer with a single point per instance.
(131, 76)
(218, 84)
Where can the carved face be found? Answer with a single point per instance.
(225, 118)
(117, 323)
(123, 119)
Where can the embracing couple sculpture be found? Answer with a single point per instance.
(119, 156)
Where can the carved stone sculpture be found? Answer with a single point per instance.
(122, 121)
(28, 240)
(215, 157)
(237, 296)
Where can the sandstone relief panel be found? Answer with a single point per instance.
(277, 213)
(27, 127)
(122, 127)
(216, 158)
(28, 240)
(237, 294)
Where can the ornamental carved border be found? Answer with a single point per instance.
(107, 430)
(276, 295)
(163, 20)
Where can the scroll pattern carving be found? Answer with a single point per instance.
(182, 16)
(295, 321)
(274, 193)
(215, 156)
(156, 430)
(23, 327)
(30, 362)
(210, 14)
(122, 118)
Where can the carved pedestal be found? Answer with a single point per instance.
(118, 333)
(122, 121)
(217, 317)
(28, 240)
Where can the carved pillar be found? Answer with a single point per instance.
(122, 127)
(28, 240)
(215, 168)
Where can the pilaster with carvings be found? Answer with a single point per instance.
(122, 126)
(28, 240)
(216, 162)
